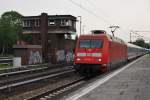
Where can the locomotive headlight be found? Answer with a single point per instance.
(96, 54)
(99, 60)
(78, 59)
(81, 54)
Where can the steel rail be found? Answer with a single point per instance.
(31, 75)
(46, 93)
(9, 86)
(22, 71)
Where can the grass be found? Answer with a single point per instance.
(2, 66)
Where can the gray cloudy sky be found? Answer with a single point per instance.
(96, 14)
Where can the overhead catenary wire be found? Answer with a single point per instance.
(107, 15)
(98, 16)
(140, 35)
(90, 12)
(99, 9)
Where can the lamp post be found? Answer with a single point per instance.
(83, 29)
(130, 37)
(80, 23)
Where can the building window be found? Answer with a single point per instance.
(74, 25)
(69, 23)
(51, 22)
(65, 22)
(26, 23)
(37, 23)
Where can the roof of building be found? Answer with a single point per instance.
(51, 16)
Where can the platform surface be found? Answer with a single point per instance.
(133, 83)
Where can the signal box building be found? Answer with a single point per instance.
(53, 32)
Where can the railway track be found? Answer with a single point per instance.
(60, 89)
(14, 69)
(14, 87)
(11, 78)
(29, 67)
(6, 61)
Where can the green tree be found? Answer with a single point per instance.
(10, 30)
(140, 42)
(147, 45)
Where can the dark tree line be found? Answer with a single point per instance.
(140, 42)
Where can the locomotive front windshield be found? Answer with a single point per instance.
(90, 44)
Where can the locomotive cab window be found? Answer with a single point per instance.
(90, 43)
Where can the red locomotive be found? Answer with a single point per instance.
(100, 52)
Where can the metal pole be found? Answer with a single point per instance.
(80, 23)
(130, 37)
(83, 28)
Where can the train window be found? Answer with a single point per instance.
(96, 43)
(91, 43)
(85, 44)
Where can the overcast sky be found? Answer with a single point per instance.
(96, 14)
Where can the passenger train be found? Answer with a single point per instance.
(100, 52)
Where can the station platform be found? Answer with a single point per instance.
(132, 82)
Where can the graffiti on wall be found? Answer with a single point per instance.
(60, 56)
(64, 56)
(69, 56)
(35, 57)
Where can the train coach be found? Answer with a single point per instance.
(100, 52)
(135, 51)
